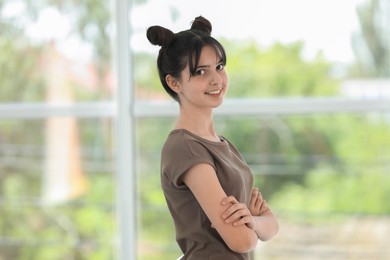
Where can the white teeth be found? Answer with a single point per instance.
(215, 92)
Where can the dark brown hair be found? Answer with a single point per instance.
(178, 49)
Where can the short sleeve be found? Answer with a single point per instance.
(179, 154)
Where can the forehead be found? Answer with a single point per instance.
(209, 53)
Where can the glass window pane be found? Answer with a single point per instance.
(324, 175)
(57, 186)
(311, 167)
(57, 192)
(68, 50)
(276, 48)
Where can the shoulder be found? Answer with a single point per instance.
(182, 142)
(180, 152)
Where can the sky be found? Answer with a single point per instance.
(325, 25)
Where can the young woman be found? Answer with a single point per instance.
(206, 182)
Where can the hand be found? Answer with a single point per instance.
(237, 213)
(257, 205)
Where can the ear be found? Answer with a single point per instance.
(173, 83)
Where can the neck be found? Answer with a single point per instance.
(198, 122)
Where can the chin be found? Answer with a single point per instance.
(218, 104)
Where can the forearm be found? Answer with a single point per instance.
(266, 226)
(243, 241)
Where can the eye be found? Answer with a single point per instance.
(200, 72)
(220, 66)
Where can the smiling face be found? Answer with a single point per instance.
(207, 87)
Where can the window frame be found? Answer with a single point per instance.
(124, 110)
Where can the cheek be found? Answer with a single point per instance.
(226, 79)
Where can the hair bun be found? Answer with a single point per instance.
(201, 24)
(160, 36)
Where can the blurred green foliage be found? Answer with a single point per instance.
(320, 165)
(279, 70)
(353, 180)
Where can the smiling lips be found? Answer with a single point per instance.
(214, 92)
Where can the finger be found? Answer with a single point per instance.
(244, 221)
(233, 211)
(253, 202)
(264, 207)
(255, 191)
(253, 197)
(236, 216)
(229, 200)
(259, 200)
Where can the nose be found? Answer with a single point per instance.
(216, 79)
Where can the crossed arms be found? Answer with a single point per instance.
(238, 225)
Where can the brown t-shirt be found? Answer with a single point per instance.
(194, 234)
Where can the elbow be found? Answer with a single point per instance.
(243, 245)
(272, 232)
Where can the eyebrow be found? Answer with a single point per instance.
(208, 66)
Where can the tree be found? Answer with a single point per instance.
(372, 44)
(82, 228)
(277, 71)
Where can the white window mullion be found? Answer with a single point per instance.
(125, 135)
